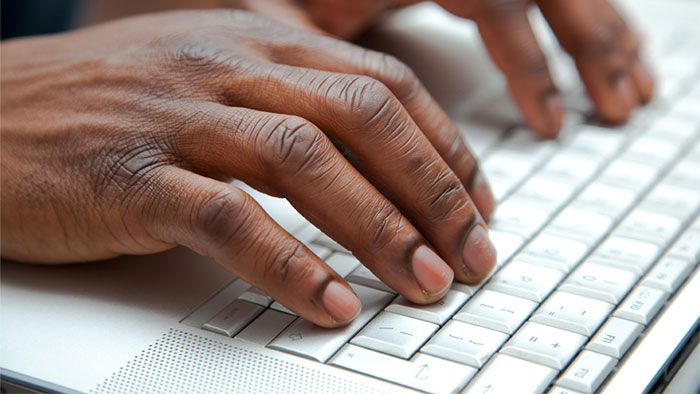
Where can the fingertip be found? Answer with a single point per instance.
(340, 302)
(432, 273)
(644, 81)
(482, 196)
(478, 254)
(554, 115)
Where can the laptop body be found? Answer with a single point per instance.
(134, 324)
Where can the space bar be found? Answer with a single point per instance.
(305, 339)
(639, 371)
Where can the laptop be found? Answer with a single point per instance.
(596, 288)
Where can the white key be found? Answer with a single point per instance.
(569, 167)
(684, 174)
(465, 343)
(598, 141)
(547, 194)
(479, 136)
(518, 218)
(504, 172)
(526, 280)
(523, 141)
(507, 375)
(424, 372)
(557, 252)
(257, 296)
(642, 304)
(342, 263)
(674, 128)
(562, 390)
(615, 337)
(497, 311)
(438, 312)
(233, 318)
(687, 246)
(363, 276)
(626, 253)
(281, 308)
(668, 274)
(321, 251)
(600, 282)
(266, 327)
(587, 372)
(655, 151)
(572, 312)
(585, 226)
(604, 199)
(672, 201)
(685, 109)
(395, 334)
(628, 174)
(506, 245)
(323, 240)
(306, 339)
(545, 345)
(649, 226)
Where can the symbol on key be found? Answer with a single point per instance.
(556, 345)
(608, 338)
(296, 336)
(581, 373)
(533, 339)
(476, 343)
(423, 373)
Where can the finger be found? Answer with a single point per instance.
(296, 160)
(363, 116)
(604, 50)
(506, 31)
(221, 221)
(342, 57)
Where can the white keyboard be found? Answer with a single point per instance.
(595, 232)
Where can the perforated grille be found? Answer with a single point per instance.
(181, 362)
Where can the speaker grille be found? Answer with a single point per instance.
(182, 362)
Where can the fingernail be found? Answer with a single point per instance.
(431, 272)
(627, 93)
(644, 80)
(341, 302)
(554, 112)
(479, 254)
(482, 196)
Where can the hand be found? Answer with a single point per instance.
(592, 31)
(122, 138)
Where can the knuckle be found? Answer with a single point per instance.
(289, 263)
(396, 75)
(291, 145)
(445, 197)
(367, 101)
(222, 219)
(386, 223)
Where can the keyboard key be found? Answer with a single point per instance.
(600, 282)
(233, 318)
(438, 312)
(394, 334)
(597, 141)
(523, 142)
(257, 296)
(281, 308)
(687, 247)
(519, 218)
(266, 327)
(320, 251)
(479, 136)
(668, 274)
(526, 280)
(626, 253)
(494, 378)
(424, 372)
(684, 174)
(323, 240)
(342, 263)
(562, 390)
(655, 151)
(363, 276)
(585, 226)
(604, 199)
(497, 311)
(628, 174)
(544, 345)
(568, 167)
(306, 339)
(587, 372)
(552, 251)
(506, 245)
(544, 193)
(648, 226)
(673, 128)
(572, 312)
(504, 172)
(672, 201)
(465, 343)
(615, 337)
(642, 304)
